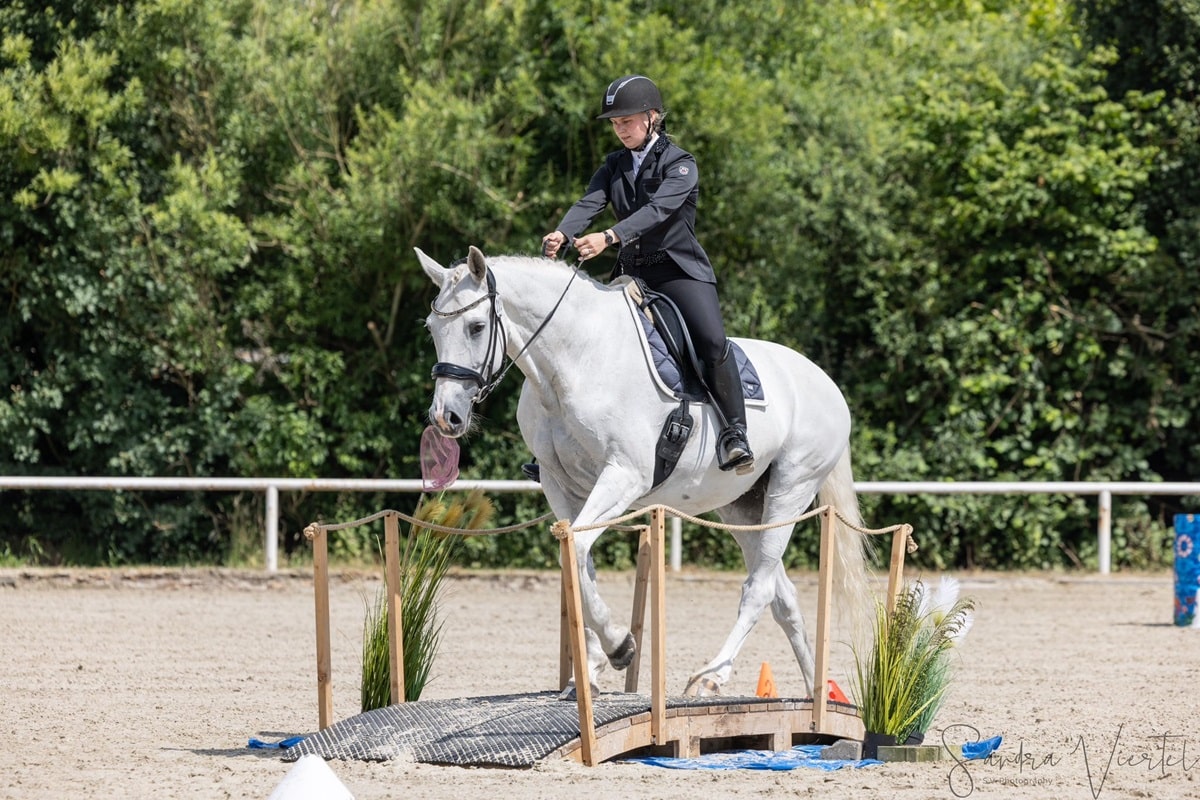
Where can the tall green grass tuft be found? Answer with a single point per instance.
(424, 562)
(900, 685)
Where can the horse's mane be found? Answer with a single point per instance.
(542, 263)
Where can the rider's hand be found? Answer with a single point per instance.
(551, 243)
(590, 246)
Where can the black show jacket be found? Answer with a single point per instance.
(656, 210)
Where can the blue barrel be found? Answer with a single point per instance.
(1187, 567)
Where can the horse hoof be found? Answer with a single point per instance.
(568, 694)
(702, 686)
(623, 656)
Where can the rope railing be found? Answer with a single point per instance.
(313, 528)
(559, 530)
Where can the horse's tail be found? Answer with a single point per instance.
(854, 598)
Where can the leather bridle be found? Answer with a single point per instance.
(497, 337)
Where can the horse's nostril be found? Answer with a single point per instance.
(454, 419)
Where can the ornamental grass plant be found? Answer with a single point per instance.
(901, 683)
(424, 562)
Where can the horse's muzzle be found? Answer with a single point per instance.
(448, 423)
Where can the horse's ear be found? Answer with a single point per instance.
(477, 263)
(433, 269)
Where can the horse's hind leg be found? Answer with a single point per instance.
(763, 552)
(785, 607)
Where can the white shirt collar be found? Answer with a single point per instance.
(640, 155)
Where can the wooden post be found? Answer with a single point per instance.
(896, 570)
(564, 637)
(324, 652)
(638, 618)
(583, 682)
(658, 610)
(395, 608)
(824, 597)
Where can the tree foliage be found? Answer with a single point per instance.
(979, 217)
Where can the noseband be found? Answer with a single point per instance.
(496, 338)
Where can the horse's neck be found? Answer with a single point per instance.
(587, 327)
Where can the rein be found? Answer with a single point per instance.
(488, 384)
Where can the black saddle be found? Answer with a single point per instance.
(668, 322)
(677, 428)
(686, 382)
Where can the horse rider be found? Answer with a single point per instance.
(652, 186)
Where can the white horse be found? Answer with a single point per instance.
(591, 412)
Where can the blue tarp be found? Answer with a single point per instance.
(974, 750)
(805, 755)
(259, 744)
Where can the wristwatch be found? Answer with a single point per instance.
(609, 241)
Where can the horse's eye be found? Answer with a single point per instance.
(477, 328)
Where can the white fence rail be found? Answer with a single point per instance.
(271, 487)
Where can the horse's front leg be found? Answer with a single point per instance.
(607, 641)
(613, 491)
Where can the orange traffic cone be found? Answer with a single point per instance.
(836, 694)
(766, 682)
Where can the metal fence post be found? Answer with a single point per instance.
(1104, 533)
(272, 526)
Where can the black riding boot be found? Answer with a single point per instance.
(725, 386)
(532, 471)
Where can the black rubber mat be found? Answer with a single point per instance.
(504, 730)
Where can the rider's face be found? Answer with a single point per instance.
(631, 130)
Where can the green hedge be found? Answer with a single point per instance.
(980, 218)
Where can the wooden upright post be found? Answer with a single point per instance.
(564, 638)
(583, 681)
(395, 608)
(637, 622)
(658, 610)
(824, 598)
(324, 652)
(896, 569)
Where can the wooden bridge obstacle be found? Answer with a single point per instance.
(674, 728)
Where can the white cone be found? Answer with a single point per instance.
(311, 779)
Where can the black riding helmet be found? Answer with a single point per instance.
(629, 95)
